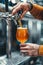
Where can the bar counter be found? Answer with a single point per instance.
(16, 59)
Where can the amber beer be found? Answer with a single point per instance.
(22, 34)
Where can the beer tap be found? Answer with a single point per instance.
(8, 45)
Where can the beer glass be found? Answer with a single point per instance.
(22, 33)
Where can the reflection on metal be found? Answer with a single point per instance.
(14, 1)
(8, 46)
(2, 8)
(34, 27)
(8, 17)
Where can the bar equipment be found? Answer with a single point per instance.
(3, 8)
(35, 30)
(6, 19)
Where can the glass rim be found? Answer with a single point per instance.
(22, 27)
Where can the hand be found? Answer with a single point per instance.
(29, 49)
(21, 6)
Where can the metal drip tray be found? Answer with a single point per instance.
(2, 57)
(16, 59)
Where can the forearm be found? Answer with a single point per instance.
(37, 11)
(41, 50)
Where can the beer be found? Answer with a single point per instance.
(22, 34)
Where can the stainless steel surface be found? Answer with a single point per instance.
(34, 28)
(7, 17)
(16, 59)
(8, 45)
(2, 8)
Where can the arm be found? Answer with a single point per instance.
(37, 11)
(41, 50)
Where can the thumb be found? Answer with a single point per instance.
(22, 15)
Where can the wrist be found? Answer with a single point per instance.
(30, 6)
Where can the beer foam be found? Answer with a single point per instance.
(22, 28)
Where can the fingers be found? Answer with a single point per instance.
(16, 8)
(23, 48)
(24, 51)
(26, 46)
(30, 52)
(29, 49)
(22, 15)
(23, 45)
(16, 5)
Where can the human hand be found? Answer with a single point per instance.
(29, 49)
(21, 6)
